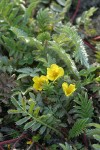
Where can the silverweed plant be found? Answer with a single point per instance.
(54, 103)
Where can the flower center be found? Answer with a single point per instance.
(69, 91)
(55, 73)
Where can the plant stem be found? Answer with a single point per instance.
(88, 44)
(85, 140)
(22, 135)
(76, 11)
(11, 141)
(1, 148)
(97, 38)
(29, 148)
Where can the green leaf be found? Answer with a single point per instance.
(84, 107)
(36, 138)
(78, 128)
(42, 129)
(23, 102)
(97, 137)
(36, 126)
(44, 36)
(96, 146)
(66, 146)
(67, 5)
(91, 132)
(80, 53)
(54, 6)
(61, 2)
(43, 19)
(28, 11)
(65, 58)
(27, 71)
(86, 17)
(18, 32)
(29, 124)
(88, 71)
(23, 120)
(2, 4)
(24, 37)
(94, 125)
(21, 76)
(15, 103)
(36, 111)
(32, 95)
(13, 111)
(20, 98)
(32, 105)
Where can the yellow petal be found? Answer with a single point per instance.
(53, 66)
(44, 78)
(54, 72)
(39, 81)
(68, 90)
(37, 87)
(36, 78)
(64, 86)
(71, 89)
(61, 71)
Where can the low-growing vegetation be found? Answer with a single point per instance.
(49, 75)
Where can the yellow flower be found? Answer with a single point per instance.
(9, 146)
(39, 81)
(54, 72)
(68, 89)
(29, 142)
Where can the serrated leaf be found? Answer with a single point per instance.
(32, 105)
(23, 102)
(24, 37)
(36, 126)
(28, 11)
(61, 2)
(29, 124)
(78, 128)
(94, 125)
(32, 95)
(54, 6)
(15, 102)
(80, 53)
(27, 72)
(23, 120)
(21, 76)
(96, 146)
(65, 58)
(91, 132)
(13, 111)
(42, 129)
(36, 112)
(43, 19)
(20, 98)
(97, 137)
(18, 32)
(66, 146)
(84, 107)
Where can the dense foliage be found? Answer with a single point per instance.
(49, 77)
